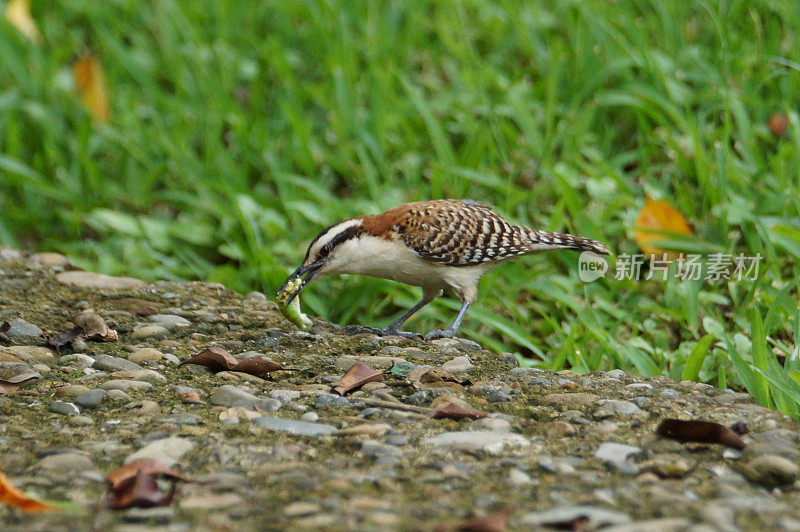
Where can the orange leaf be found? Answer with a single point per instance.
(661, 218)
(91, 83)
(11, 495)
(18, 13)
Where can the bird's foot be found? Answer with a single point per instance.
(443, 333)
(386, 331)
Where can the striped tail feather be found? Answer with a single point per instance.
(545, 240)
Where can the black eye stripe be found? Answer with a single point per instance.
(347, 234)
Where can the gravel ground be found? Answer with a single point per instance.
(558, 449)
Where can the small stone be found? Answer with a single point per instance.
(616, 373)
(169, 321)
(48, 260)
(145, 354)
(301, 509)
(570, 399)
(299, 428)
(210, 501)
(66, 463)
(111, 364)
(233, 396)
(22, 329)
(285, 396)
(492, 424)
(671, 465)
(142, 408)
(380, 452)
(10, 255)
(71, 390)
(91, 398)
(330, 400)
(458, 365)
(310, 417)
(772, 471)
(517, 478)
(147, 375)
(369, 412)
(597, 517)
(144, 332)
(64, 408)
(98, 281)
(616, 408)
(78, 360)
(561, 429)
(491, 442)
(26, 353)
(118, 395)
(126, 385)
(167, 450)
(80, 421)
(180, 419)
(617, 454)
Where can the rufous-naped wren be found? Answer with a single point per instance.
(436, 245)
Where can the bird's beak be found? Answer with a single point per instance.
(299, 272)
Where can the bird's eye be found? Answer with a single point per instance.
(324, 251)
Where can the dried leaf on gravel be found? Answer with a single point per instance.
(357, 376)
(655, 220)
(135, 485)
(496, 522)
(13, 377)
(457, 410)
(216, 360)
(88, 326)
(699, 432)
(213, 358)
(13, 496)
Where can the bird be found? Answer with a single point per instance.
(437, 245)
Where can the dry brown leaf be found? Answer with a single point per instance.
(655, 220)
(13, 496)
(18, 13)
(357, 376)
(13, 377)
(135, 485)
(258, 366)
(91, 83)
(496, 522)
(216, 360)
(699, 432)
(429, 375)
(458, 410)
(213, 358)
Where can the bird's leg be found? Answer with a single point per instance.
(450, 332)
(393, 329)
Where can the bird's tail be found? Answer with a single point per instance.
(545, 240)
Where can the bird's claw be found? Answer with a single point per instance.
(443, 333)
(386, 331)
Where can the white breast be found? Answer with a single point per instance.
(389, 259)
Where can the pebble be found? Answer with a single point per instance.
(233, 396)
(110, 363)
(180, 419)
(126, 385)
(492, 424)
(518, 478)
(91, 398)
(458, 365)
(330, 400)
(617, 454)
(309, 417)
(491, 442)
(772, 471)
(22, 329)
(145, 354)
(64, 408)
(380, 452)
(48, 260)
(167, 450)
(71, 390)
(98, 281)
(285, 396)
(597, 517)
(170, 321)
(147, 375)
(571, 399)
(78, 360)
(26, 353)
(144, 332)
(10, 255)
(66, 463)
(561, 429)
(300, 428)
(118, 395)
(210, 501)
(615, 408)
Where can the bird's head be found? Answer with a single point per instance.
(330, 252)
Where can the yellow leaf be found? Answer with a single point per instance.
(91, 83)
(660, 218)
(11, 495)
(18, 13)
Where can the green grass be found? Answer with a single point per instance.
(238, 133)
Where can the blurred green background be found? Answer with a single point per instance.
(238, 130)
